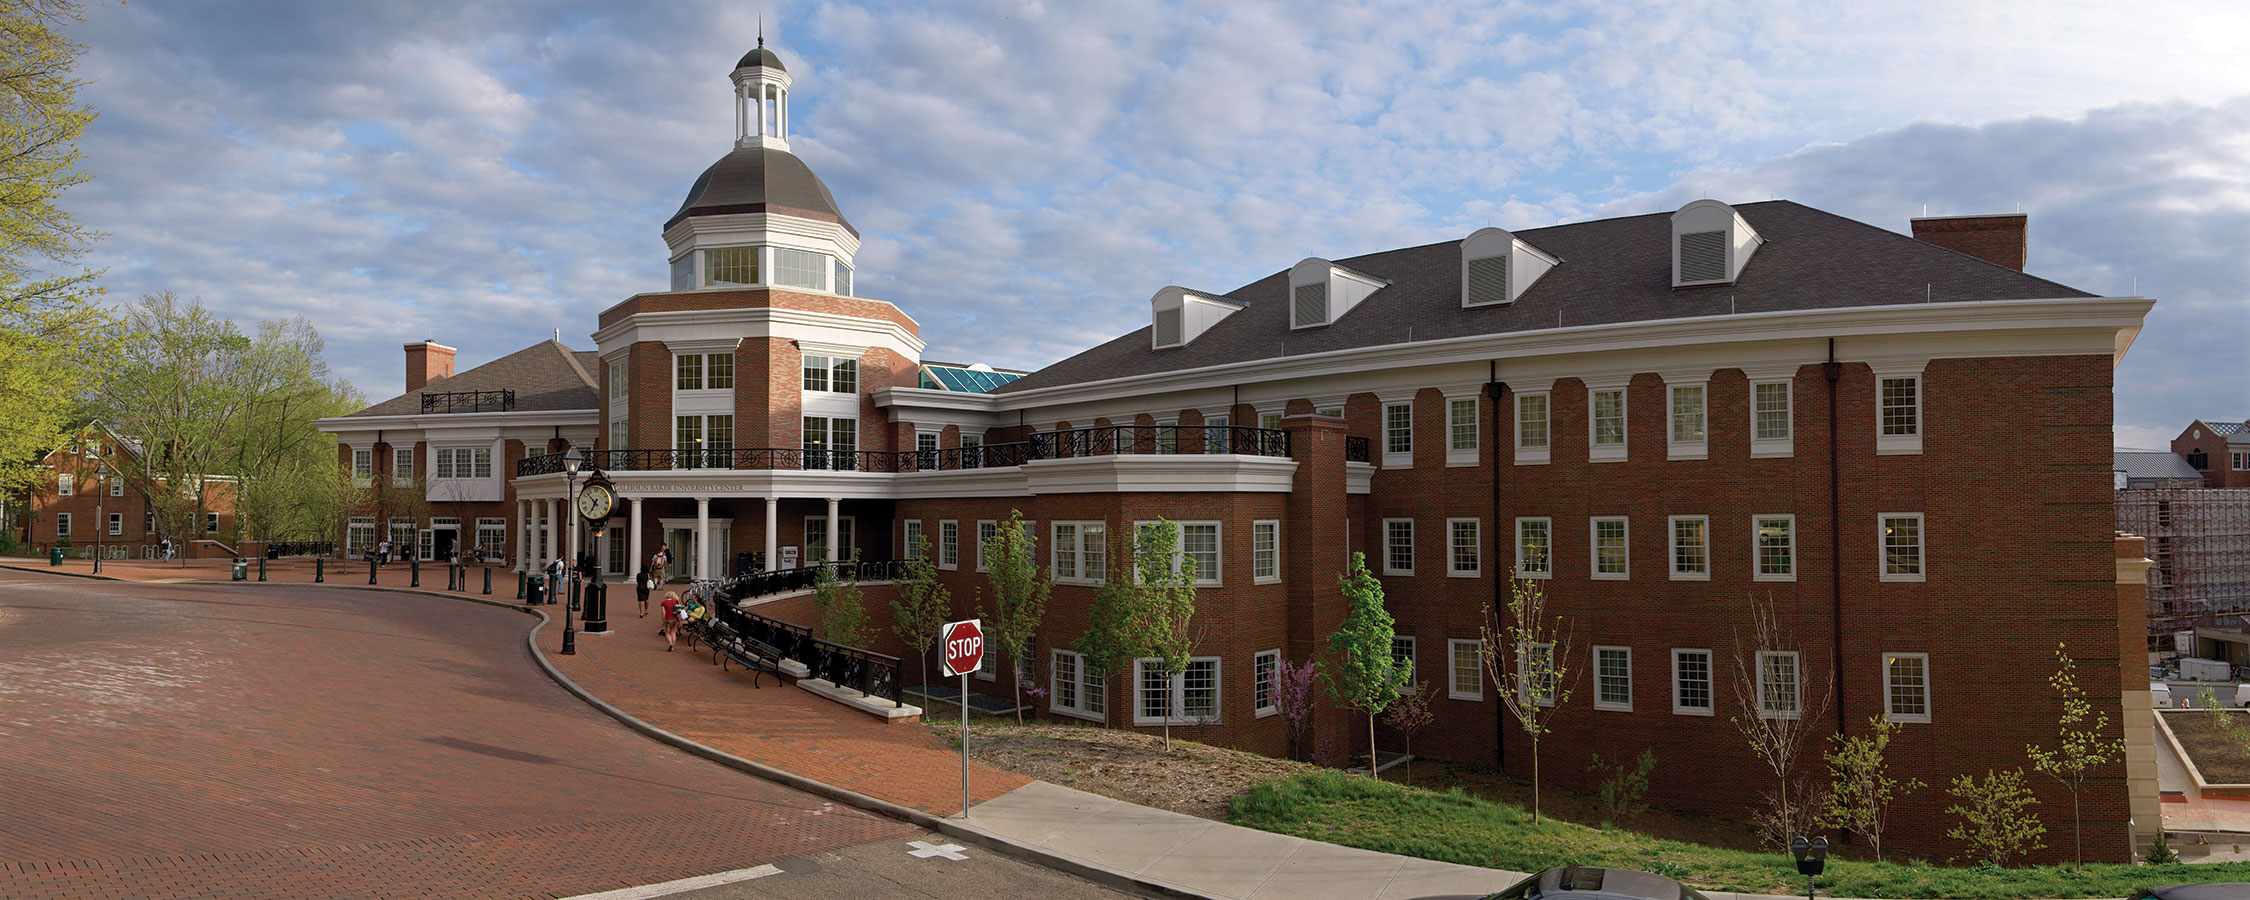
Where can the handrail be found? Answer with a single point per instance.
(1098, 441)
(468, 401)
(870, 673)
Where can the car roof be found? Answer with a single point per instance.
(2213, 891)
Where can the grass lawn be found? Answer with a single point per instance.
(1453, 827)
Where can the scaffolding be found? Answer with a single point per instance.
(2199, 539)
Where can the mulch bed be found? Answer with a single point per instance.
(2221, 758)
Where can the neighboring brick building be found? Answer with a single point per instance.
(1658, 417)
(79, 507)
(2218, 449)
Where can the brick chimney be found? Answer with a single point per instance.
(1999, 240)
(427, 361)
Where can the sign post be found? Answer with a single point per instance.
(964, 652)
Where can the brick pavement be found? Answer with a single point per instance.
(175, 741)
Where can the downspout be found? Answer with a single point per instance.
(1494, 389)
(1833, 371)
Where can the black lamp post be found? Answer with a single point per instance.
(101, 521)
(571, 461)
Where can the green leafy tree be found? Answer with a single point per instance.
(842, 605)
(1117, 623)
(1528, 660)
(1020, 588)
(1169, 608)
(1363, 676)
(55, 337)
(922, 606)
(1861, 787)
(1996, 818)
(2082, 743)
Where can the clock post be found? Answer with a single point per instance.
(597, 502)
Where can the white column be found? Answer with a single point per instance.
(773, 533)
(740, 106)
(523, 533)
(634, 561)
(833, 522)
(781, 115)
(702, 533)
(760, 87)
(554, 535)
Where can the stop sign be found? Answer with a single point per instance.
(964, 646)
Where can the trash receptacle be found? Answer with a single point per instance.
(533, 590)
(54, 556)
(241, 569)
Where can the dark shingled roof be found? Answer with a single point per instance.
(545, 375)
(1614, 270)
(759, 179)
(760, 57)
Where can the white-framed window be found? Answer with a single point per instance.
(1535, 673)
(1906, 677)
(620, 436)
(1398, 546)
(1188, 698)
(833, 374)
(1464, 669)
(1262, 670)
(2239, 458)
(402, 536)
(800, 268)
(843, 278)
(729, 265)
(1532, 433)
(1775, 539)
(1613, 678)
(402, 466)
(1689, 417)
(1465, 546)
(618, 386)
(1199, 541)
(363, 468)
(1691, 548)
(987, 529)
(359, 534)
(1402, 656)
(687, 372)
(1691, 683)
(116, 485)
(1461, 442)
(463, 462)
(1778, 687)
(1902, 546)
(1612, 548)
(816, 538)
(62, 525)
(116, 523)
(1265, 551)
(1270, 421)
(1898, 409)
(972, 451)
(211, 523)
(830, 443)
(1605, 422)
(1771, 410)
(1535, 545)
(492, 537)
(1077, 690)
(949, 544)
(1217, 435)
(148, 524)
(1079, 551)
(910, 546)
(1398, 434)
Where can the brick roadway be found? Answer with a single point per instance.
(783, 727)
(188, 741)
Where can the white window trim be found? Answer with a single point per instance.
(1273, 691)
(1054, 696)
(116, 523)
(1599, 703)
(977, 538)
(1768, 448)
(1203, 579)
(1711, 679)
(908, 532)
(1610, 452)
(1453, 572)
(63, 522)
(1927, 707)
(1411, 537)
(1904, 444)
(1523, 674)
(1413, 664)
(955, 565)
(1452, 666)
(1796, 687)
(1758, 554)
(1679, 449)
(1078, 546)
(1672, 548)
(1534, 456)
(1521, 571)
(1922, 534)
(1274, 578)
(1454, 457)
(1594, 549)
(1391, 459)
(988, 666)
(1179, 692)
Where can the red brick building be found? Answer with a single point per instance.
(1659, 418)
(2218, 449)
(85, 501)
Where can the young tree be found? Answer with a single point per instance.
(1996, 817)
(1019, 595)
(1293, 685)
(1861, 786)
(922, 606)
(1776, 714)
(843, 607)
(1363, 676)
(1412, 713)
(1621, 790)
(1528, 660)
(1116, 624)
(2082, 743)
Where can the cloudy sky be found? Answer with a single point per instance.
(1025, 175)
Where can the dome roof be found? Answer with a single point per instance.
(760, 179)
(760, 57)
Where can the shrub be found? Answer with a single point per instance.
(1996, 818)
(1622, 787)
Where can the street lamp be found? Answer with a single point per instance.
(101, 521)
(571, 461)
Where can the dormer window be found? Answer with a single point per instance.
(1710, 244)
(1320, 292)
(1178, 315)
(1496, 267)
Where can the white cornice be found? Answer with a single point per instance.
(567, 418)
(760, 322)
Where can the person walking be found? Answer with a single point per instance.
(641, 586)
(661, 561)
(555, 571)
(383, 553)
(672, 618)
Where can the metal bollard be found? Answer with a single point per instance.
(414, 567)
(320, 570)
(449, 576)
(261, 568)
(488, 581)
(519, 585)
(372, 570)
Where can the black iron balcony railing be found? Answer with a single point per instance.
(1106, 441)
(1355, 449)
(468, 401)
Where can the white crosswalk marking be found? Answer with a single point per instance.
(924, 850)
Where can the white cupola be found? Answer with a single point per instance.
(1497, 267)
(761, 100)
(1710, 244)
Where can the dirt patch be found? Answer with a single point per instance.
(1193, 779)
(2221, 759)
